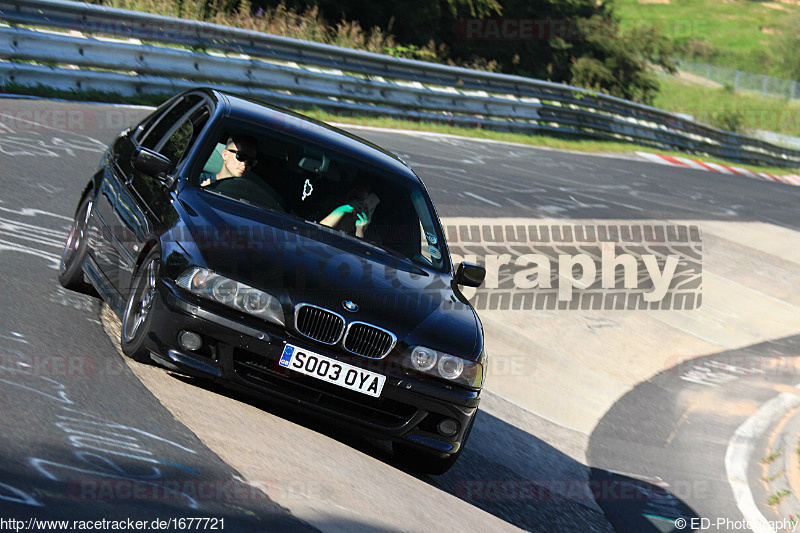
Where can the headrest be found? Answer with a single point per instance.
(215, 161)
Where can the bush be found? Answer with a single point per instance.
(728, 119)
(620, 66)
(697, 50)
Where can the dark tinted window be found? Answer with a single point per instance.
(175, 146)
(171, 135)
(175, 129)
(337, 193)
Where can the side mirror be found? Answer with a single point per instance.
(470, 274)
(150, 162)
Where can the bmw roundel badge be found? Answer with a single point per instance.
(350, 305)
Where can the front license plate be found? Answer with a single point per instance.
(333, 371)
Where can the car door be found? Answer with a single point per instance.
(137, 206)
(111, 215)
(173, 136)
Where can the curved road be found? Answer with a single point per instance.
(592, 420)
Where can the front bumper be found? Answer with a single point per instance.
(243, 353)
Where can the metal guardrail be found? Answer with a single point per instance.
(152, 53)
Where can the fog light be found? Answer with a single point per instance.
(447, 427)
(189, 340)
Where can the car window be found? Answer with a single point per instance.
(175, 129)
(349, 197)
(171, 135)
(176, 146)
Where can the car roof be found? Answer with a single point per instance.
(306, 128)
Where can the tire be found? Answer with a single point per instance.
(138, 309)
(428, 463)
(70, 269)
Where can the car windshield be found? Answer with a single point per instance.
(372, 205)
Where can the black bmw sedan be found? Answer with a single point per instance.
(245, 243)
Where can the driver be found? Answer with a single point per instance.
(239, 155)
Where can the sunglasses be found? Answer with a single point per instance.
(246, 159)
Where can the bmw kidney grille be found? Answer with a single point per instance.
(328, 327)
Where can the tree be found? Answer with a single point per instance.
(619, 62)
(571, 41)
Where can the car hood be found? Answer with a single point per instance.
(302, 263)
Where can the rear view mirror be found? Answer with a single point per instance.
(150, 162)
(317, 166)
(470, 274)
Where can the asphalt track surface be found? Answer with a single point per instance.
(75, 417)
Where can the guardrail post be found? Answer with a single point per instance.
(794, 90)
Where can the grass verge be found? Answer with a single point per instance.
(777, 497)
(741, 112)
(738, 34)
(767, 459)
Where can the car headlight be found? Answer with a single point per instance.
(203, 282)
(446, 366)
(423, 359)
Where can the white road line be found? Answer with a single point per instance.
(29, 212)
(481, 198)
(52, 244)
(14, 226)
(740, 450)
(14, 247)
(613, 202)
(18, 119)
(520, 204)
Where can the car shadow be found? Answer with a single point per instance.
(510, 473)
(71, 494)
(516, 476)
